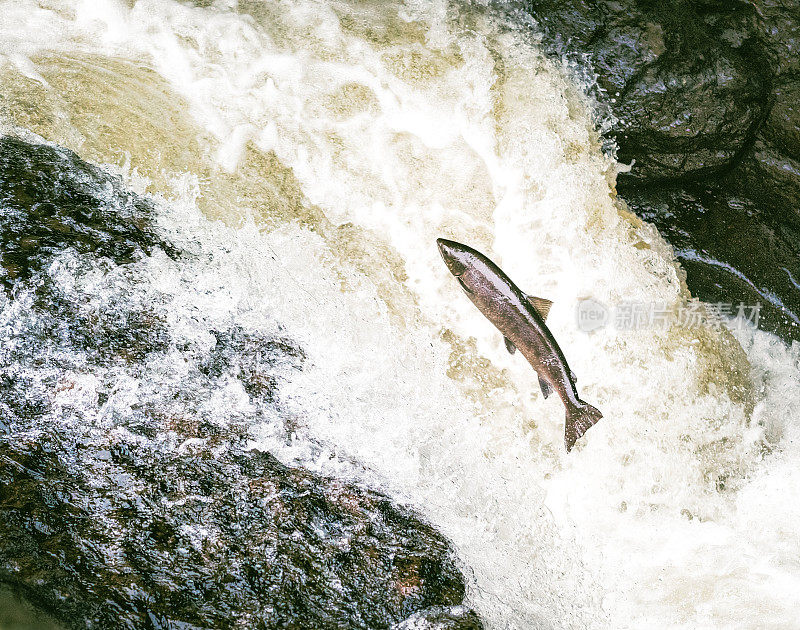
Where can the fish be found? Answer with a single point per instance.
(521, 320)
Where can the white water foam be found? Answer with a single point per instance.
(404, 122)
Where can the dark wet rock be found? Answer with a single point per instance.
(684, 134)
(782, 127)
(705, 230)
(705, 96)
(779, 27)
(772, 180)
(52, 201)
(111, 330)
(130, 494)
(441, 618)
(245, 354)
(570, 23)
(145, 538)
(687, 80)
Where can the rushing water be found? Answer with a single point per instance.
(310, 153)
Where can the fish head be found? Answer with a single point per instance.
(456, 256)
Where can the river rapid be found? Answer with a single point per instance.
(309, 154)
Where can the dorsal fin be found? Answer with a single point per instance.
(541, 305)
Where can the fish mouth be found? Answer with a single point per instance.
(452, 253)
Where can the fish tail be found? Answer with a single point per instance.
(580, 418)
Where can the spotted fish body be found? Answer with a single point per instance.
(520, 318)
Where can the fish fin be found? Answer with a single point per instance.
(510, 346)
(547, 388)
(580, 419)
(463, 286)
(540, 305)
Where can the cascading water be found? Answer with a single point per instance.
(308, 154)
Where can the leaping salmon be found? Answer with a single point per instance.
(520, 318)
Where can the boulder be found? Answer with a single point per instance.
(131, 495)
(704, 100)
